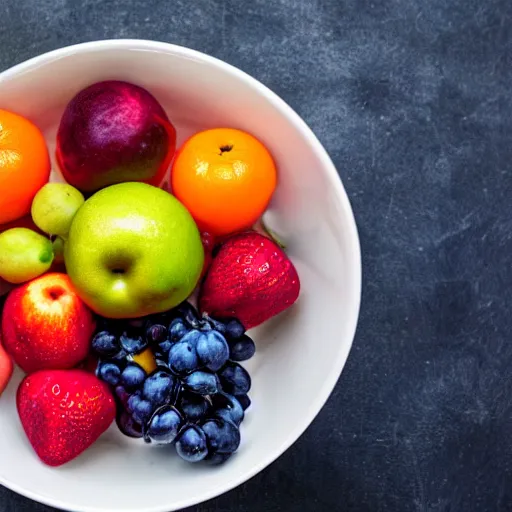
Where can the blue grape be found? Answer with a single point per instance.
(245, 401)
(156, 333)
(132, 344)
(109, 372)
(213, 350)
(183, 357)
(234, 329)
(128, 426)
(191, 444)
(158, 387)
(214, 459)
(133, 377)
(140, 409)
(194, 406)
(193, 337)
(122, 395)
(105, 344)
(119, 358)
(242, 348)
(177, 329)
(133, 401)
(165, 346)
(222, 436)
(202, 383)
(164, 425)
(234, 379)
(218, 325)
(228, 408)
(189, 314)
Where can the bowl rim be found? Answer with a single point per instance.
(346, 211)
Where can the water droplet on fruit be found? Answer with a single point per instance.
(264, 268)
(56, 390)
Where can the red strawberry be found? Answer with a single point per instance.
(64, 412)
(250, 278)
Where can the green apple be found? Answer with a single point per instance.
(133, 250)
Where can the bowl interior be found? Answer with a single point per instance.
(300, 353)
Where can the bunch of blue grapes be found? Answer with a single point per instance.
(196, 397)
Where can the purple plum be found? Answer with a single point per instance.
(113, 132)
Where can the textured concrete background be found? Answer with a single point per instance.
(412, 100)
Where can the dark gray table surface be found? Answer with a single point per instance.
(412, 99)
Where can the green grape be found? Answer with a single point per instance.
(54, 207)
(24, 255)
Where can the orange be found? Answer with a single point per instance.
(225, 178)
(24, 165)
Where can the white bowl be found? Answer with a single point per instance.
(300, 353)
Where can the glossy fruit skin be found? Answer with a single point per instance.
(54, 207)
(24, 255)
(183, 358)
(133, 250)
(242, 349)
(191, 444)
(202, 383)
(109, 373)
(168, 404)
(208, 246)
(251, 279)
(6, 368)
(63, 412)
(177, 329)
(244, 401)
(213, 350)
(194, 406)
(113, 132)
(225, 177)
(105, 343)
(222, 436)
(164, 425)
(128, 426)
(45, 325)
(228, 408)
(157, 387)
(24, 164)
(133, 377)
(235, 379)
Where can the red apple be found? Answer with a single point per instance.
(6, 368)
(113, 132)
(45, 325)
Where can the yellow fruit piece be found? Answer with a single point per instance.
(146, 360)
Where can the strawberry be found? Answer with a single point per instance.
(63, 412)
(251, 279)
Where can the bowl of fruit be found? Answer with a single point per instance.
(179, 277)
